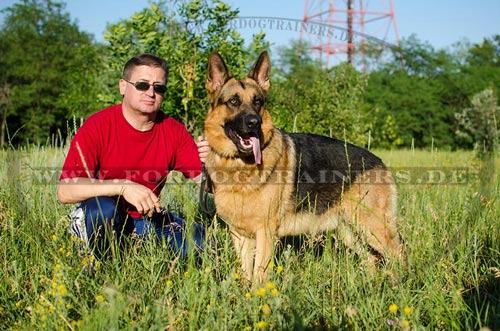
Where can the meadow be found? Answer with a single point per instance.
(449, 216)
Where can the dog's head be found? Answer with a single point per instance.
(238, 125)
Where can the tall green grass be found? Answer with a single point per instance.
(451, 282)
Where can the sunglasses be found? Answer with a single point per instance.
(143, 86)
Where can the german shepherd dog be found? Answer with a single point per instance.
(268, 183)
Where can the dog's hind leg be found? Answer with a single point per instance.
(348, 234)
(245, 249)
(373, 208)
(383, 234)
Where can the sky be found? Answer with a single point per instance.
(440, 23)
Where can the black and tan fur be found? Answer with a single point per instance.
(305, 183)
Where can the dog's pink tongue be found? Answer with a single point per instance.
(257, 154)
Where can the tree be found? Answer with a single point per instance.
(479, 123)
(5, 109)
(46, 63)
(306, 97)
(414, 97)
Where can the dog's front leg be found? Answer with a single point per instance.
(263, 251)
(245, 249)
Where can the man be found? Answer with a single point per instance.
(119, 159)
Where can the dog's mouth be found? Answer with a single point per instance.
(247, 143)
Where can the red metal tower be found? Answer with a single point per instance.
(340, 28)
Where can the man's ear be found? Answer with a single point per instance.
(261, 70)
(122, 85)
(217, 74)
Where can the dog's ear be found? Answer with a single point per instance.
(261, 70)
(217, 73)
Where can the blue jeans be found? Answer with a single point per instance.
(105, 220)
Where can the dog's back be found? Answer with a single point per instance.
(326, 167)
(343, 188)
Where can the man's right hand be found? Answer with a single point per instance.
(141, 197)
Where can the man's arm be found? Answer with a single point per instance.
(73, 190)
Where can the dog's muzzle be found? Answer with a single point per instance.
(244, 132)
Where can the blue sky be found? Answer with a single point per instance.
(441, 23)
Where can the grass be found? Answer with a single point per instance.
(451, 228)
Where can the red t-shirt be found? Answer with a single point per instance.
(108, 147)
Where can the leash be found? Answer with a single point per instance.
(206, 186)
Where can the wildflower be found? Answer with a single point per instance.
(393, 308)
(54, 237)
(18, 304)
(76, 323)
(236, 275)
(99, 298)
(405, 323)
(63, 290)
(169, 282)
(270, 285)
(266, 309)
(279, 269)
(260, 292)
(248, 295)
(261, 324)
(271, 265)
(275, 292)
(407, 310)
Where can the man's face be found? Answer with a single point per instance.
(148, 101)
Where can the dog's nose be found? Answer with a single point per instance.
(253, 121)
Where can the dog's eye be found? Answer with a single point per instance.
(257, 102)
(234, 102)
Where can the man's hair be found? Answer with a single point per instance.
(144, 60)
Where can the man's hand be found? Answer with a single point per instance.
(141, 197)
(203, 148)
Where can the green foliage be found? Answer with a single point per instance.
(421, 89)
(479, 123)
(49, 66)
(305, 97)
